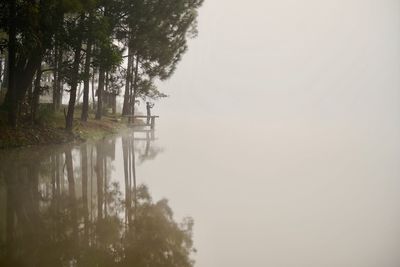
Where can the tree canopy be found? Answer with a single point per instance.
(78, 39)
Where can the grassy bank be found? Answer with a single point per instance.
(50, 130)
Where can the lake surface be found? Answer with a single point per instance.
(83, 205)
(258, 196)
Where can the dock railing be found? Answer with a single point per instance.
(152, 120)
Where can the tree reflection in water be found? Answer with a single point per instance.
(58, 207)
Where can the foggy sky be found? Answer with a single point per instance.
(292, 60)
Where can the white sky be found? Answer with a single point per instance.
(308, 60)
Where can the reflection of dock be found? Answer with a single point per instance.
(151, 121)
(138, 129)
(150, 133)
(145, 139)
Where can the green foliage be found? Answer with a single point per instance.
(46, 114)
(157, 38)
(75, 6)
(147, 89)
(108, 55)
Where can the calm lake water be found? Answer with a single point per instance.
(258, 196)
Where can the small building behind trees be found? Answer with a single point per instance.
(110, 100)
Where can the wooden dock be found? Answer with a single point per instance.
(150, 120)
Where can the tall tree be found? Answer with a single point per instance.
(58, 48)
(74, 75)
(32, 25)
(109, 54)
(157, 39)
(86, 74)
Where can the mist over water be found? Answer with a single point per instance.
(280, 198)
(281, 135)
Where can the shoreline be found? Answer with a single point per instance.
(41, 135)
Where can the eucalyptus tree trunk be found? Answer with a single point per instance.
(125, 107)
(2, 75)
(21, 74)
(57, 84)
(36, 96)
(74, 84)
(100, 88)
(85, 105)
(100, 91)
(133, 92)
(93, 94)
(4, 82)
(12, 90)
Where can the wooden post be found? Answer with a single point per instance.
(153, 122)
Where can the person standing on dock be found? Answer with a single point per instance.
(149, 106)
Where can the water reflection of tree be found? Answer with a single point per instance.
(60, 209)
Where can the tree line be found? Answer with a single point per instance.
(118, 43)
